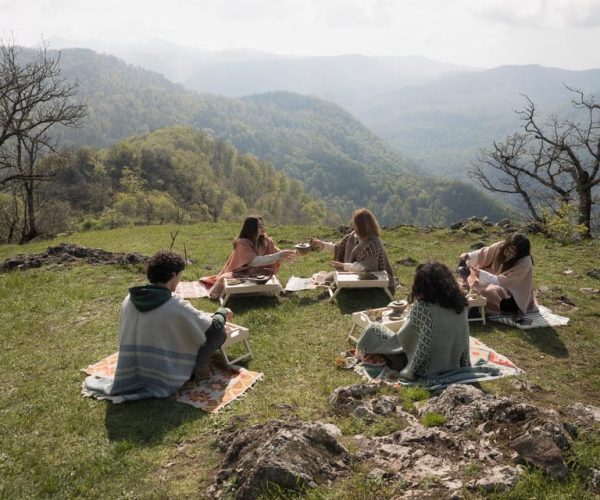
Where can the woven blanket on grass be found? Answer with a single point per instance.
(225, 385)
(486, 364)
(190, 290)
(543, 318)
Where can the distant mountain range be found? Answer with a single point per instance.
(336, 157)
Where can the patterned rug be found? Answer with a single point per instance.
(190, 290)
(226, 384)
(541, 319)
(486, 364)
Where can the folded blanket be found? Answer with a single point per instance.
(486, 364)
(544, 317)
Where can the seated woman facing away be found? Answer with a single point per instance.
(503, 273)
(435, 337)
(253, 253)
(163, 340)
(360, 250)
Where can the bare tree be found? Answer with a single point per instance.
(548, 165)
(33, 99)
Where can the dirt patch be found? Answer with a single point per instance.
(67, 253)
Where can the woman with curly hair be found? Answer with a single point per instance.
(435, 337)
(503, 274)
(360, 250)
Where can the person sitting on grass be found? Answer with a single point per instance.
(503, 274)
(163, 340)
(435, 337)
(254, 253)
(361, 250)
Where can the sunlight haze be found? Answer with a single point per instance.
(559, 33)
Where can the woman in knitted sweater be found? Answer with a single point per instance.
(360, 250)
(435, 337)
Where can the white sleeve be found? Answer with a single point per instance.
(354, 267)
(473, 257)
(486, 278)
(265, 260)
(328, 246)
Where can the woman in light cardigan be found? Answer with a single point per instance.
(503, 273)
(435, 338)
(254, 252)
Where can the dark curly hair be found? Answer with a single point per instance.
(434, 283)
(163, 265)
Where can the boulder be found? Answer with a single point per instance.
(347, 399)
(283, 455)
(541, 451)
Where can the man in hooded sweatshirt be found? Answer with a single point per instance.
(163, 340)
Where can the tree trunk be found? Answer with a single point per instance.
(29, 229)
(585, 209)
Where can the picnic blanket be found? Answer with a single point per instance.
(486, 364)
(295, 284)
(190, 290)
(226, 384)
(544, 317)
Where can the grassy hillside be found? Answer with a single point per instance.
(54, 321)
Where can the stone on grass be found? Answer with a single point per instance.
(347, 399)
(542, 452)
(281, 455)
(497, 479)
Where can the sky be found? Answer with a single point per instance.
(480, 33)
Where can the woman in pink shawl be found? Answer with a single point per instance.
(253, 253)
(503, 273)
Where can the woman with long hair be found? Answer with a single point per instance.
(360, 250)
(254, 253)
(503, 273)
(435, 337)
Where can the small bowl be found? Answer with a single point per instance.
(398, 306)
(302, 248)
(261, 279)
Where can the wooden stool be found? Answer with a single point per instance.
(362, 319)
(235, 335)
(344, 279)
(478, 301)
(233, 286)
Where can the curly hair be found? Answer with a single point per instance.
(163, 265)
(434, 283)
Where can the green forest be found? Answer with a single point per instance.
(150, 152)
(334, 155)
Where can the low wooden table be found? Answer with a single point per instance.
(343, 279)
(232, 286)
(362, 319)
(478, 301)
(235, 335)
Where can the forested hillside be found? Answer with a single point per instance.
(333, 154)
(444, 124)
(175, 175)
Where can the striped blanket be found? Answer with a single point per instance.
(486, 364)
(226, 385)
(544, 317)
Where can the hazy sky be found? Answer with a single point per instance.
(486, 33)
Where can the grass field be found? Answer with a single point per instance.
(56, 320)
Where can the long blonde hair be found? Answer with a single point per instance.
(364, 224)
